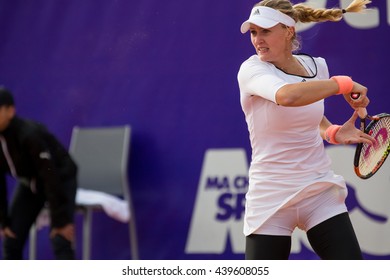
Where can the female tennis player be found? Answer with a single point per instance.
(282, 95)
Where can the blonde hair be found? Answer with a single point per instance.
(303, 13)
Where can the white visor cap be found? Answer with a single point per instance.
(266, 17)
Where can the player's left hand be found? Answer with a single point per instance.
(349, 134)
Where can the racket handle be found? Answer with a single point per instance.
(362, 112)
(355, 96)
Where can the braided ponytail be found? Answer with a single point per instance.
(305, 14)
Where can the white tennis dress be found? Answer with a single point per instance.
(288, 161)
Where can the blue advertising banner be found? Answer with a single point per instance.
(169, 70)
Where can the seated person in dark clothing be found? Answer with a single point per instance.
(44, 172)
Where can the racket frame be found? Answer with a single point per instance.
(367, 129)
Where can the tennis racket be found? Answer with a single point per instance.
(369, 158)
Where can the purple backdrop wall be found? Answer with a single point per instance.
(169, 70)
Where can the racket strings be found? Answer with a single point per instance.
(372, 156)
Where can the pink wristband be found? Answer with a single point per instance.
(330, 133)
(345, 84)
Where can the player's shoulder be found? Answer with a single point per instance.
(308, 59)
(320, 61)
(253, 65)
(29, 130)
(254, 61)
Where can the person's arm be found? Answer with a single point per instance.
(347, 133)
(325, 123)
(3, 201)
(5, 231)
(45, 149)
(301, 94)
(43, 160)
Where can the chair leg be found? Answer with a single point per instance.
(133, 240)
(87, 223)
(33, 243)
